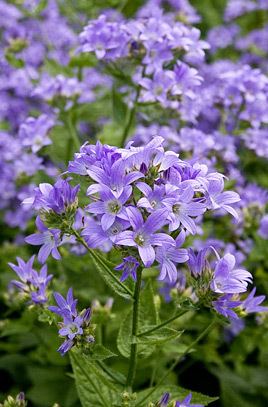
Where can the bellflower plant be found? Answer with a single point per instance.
(133, 162)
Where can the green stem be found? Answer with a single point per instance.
(155, 328)
(97, 258)
(176, 362)
(135, 319)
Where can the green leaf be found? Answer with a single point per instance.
(106, 270)
(177, 393)
(93, 385)
(124, 335)
(99, 352)
(119, 107)
(160, 336)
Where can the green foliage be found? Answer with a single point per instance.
(93, 385)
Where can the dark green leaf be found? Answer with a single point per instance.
(106, 270)
(99, 352)
(160, 336)
(93, 385)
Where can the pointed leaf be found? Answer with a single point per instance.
(99, 352)
(160, 336)
(93, 385)
(106, 270)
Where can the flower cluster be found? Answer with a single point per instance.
(75, 327)
(57, 205)
(164, 47)
(32, 285)
(225, 282)
(141, 194)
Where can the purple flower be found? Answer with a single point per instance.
(66, 307)
(227, 279)
(110, 206)
(107, 39)
(182, 208)
(168, 256)
(143, 235)
(163, 402)
(252, 304)
(129, 267)
(157, 89)
(57, 197)
(73, 323)
(224, 305)
(48, 239)
(186, 402)
(263, 229)
(34, 132)
(32, 283)
(65, 346)
(197, 261)
(114, 177)
(96, 237)
(71, 327)
(216, 199)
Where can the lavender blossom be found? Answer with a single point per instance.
(252, 304)
(48, 239)
(143, 235)
(75, 327)
(129, 267)
(168, 256)
(227, 279)
(31, 283)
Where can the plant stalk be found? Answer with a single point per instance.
(135, 320)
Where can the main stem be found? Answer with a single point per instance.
(135, 320)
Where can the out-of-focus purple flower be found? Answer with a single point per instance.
(34, 132)
(129, 267)
(263, 229)
(31, 282)
(217, 199)
(186, 402)
(107, 39)
(227, 279)
(163, 402)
